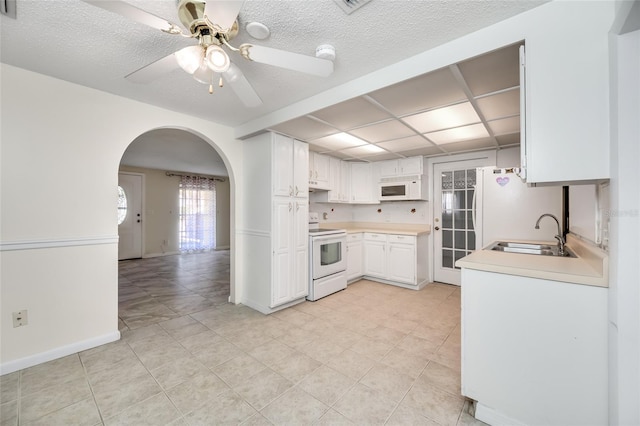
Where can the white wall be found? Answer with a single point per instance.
(161, 220)
(61, 148)
(624, 244)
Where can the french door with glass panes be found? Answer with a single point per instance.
(454, 236)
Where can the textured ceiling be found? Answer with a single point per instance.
(78, 42)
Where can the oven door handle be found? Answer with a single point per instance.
(336, 237)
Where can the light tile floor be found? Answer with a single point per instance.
(371, 354)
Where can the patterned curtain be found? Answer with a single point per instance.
(197, 214)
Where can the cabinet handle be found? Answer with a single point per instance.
(297, 206)
(316, 174)
(297, 190)
(290, 206)
(290, 190)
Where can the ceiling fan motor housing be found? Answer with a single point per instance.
(191, 14)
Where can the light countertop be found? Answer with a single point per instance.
(590, 267)
(381, 228)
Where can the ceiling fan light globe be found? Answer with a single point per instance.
(203, 74)
(189, 58)
(217, 59)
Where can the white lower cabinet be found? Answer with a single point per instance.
(354, 256)
(375, 255)
(290, 245)
(395, 259)
(534, 351)
(402, 259)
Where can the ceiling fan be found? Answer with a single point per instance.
(214, 24)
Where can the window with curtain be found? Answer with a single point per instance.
(197, 214)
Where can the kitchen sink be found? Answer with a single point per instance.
(526, 248)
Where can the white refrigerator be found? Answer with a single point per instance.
(505, 208)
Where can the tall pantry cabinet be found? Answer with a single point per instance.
(275, 231)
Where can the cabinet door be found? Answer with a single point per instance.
(300, 169)
(282, 260)
(282, 165)
(300, 246)
(354, 260)
(401, 263)
(375, 258)
(321, 170)
(411, 166)
(335, 177)
(361, 183)
(345, 181)
(388, 168)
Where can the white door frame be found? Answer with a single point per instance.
(435, 164)
(142, 208)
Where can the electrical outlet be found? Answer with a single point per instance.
(20, 318)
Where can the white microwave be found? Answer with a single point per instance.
(402, 188)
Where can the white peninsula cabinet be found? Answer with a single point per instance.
(275, 231)
(395, 259)
(534, 351)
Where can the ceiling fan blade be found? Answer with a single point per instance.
(241, 86)
(154, 70)
(223, 12)
(129, 11)
(289, 60)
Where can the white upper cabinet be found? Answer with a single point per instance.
(362, 184)
(566, 104)
(289, 167)
(402, 167)
(319, 171)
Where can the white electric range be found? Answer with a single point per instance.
(327, 259)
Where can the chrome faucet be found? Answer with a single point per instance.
(559, 237)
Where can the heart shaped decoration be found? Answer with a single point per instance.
(502, 181)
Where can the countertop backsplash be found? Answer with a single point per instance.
(408, 212)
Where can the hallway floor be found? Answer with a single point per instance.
(371, 354)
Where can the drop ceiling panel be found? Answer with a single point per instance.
(493, 71)
(474, 131)
(404, 144)
(384, 131)
(501, 105)
(506, 125)
(443, 118)
(381, 157)
(437, 88)
(337, 141)
(352, 113)
(304, 128)
(469, 145)
(512, 139)
(428, 150)
(363, 150)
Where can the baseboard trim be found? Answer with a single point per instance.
(493, 417)
(62, 351)
(169, 253)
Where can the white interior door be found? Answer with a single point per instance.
(453, 235)
(129, 216)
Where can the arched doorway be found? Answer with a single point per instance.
(164, 281)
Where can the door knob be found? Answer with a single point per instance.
(437, 228)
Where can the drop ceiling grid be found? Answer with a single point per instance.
(484, 89)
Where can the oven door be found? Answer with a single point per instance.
(328, 255)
